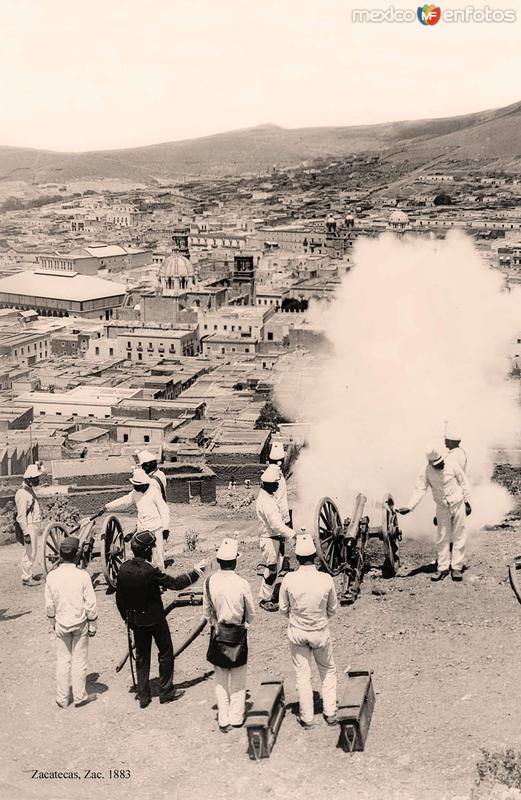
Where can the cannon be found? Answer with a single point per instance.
(341, 545)
(112, 545)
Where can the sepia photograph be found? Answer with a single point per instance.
(260, 400)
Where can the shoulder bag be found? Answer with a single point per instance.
(228, 647)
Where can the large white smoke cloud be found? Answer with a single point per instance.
(420, 333)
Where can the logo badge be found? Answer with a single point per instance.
(429, 15)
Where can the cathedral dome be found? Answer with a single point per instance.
(176, 275)
(177, 266)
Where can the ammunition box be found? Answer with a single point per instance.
(355, 711)
(264, 719)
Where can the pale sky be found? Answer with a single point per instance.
(118, 73)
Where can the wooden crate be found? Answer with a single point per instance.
(264, 719)
(355, 711)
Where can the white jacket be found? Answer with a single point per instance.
(449, 485)
(161, 477)
(458, 455)
(270, 518)
(152, 511)
(281, 497)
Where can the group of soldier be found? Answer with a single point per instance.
(306, 596)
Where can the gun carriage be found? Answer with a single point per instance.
(111, 545)
(342, 544)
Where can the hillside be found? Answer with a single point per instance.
(490, 135)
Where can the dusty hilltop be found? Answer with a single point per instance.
(442, 656)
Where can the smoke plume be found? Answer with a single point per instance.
(421, 333)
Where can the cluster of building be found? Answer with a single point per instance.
(164, 317)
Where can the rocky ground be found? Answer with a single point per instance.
(446, 675)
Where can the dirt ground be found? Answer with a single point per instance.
(446, 675)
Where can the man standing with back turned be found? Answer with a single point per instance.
(308, 598)
(138, 598)
(71, 607)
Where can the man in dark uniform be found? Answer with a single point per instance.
(138, 597)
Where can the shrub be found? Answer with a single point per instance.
(503, 767)
(61, 509)
(191, 539)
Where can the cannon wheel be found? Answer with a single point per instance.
(53, 535)
(513, 571)
(390, 533)
(112, 549)
(330, 536)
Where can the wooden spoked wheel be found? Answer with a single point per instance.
(112, 549)
(330, 536)
(514, 572)
(53, 535)
(390, 534)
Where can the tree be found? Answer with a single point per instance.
(442, 200)
(270, 417)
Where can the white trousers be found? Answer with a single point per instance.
(451, 528)
(72, 647)
(230, 693)
(270, 549)
(32, 553)
(158, 552)
(317, 644)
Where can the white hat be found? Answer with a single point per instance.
(434, 456)
(33, 471)
(145, 456)
(277, 451)
(305, 545)
(271, 474)
(452, 433)
(228, 550)
(139, 477)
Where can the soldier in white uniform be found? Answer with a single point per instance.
(148, 461)
(455, 451)
(29, 523)
(273, 530)
(227, 599)
(308, 598)
(451, 494)
(71, 608)
(152, 511)
(281, 495)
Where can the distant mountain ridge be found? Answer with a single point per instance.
(491, 135)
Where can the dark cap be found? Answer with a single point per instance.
(69, 545)
(143, 539)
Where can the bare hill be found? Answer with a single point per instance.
(494, 134)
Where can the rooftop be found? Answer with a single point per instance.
(92, 466)
(73, 286)
(106, 250)
(87, 434)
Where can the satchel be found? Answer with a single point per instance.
(228, 647)
(18, 532)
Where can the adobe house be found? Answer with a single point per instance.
(186, 482)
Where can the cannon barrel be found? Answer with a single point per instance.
(360, 502)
